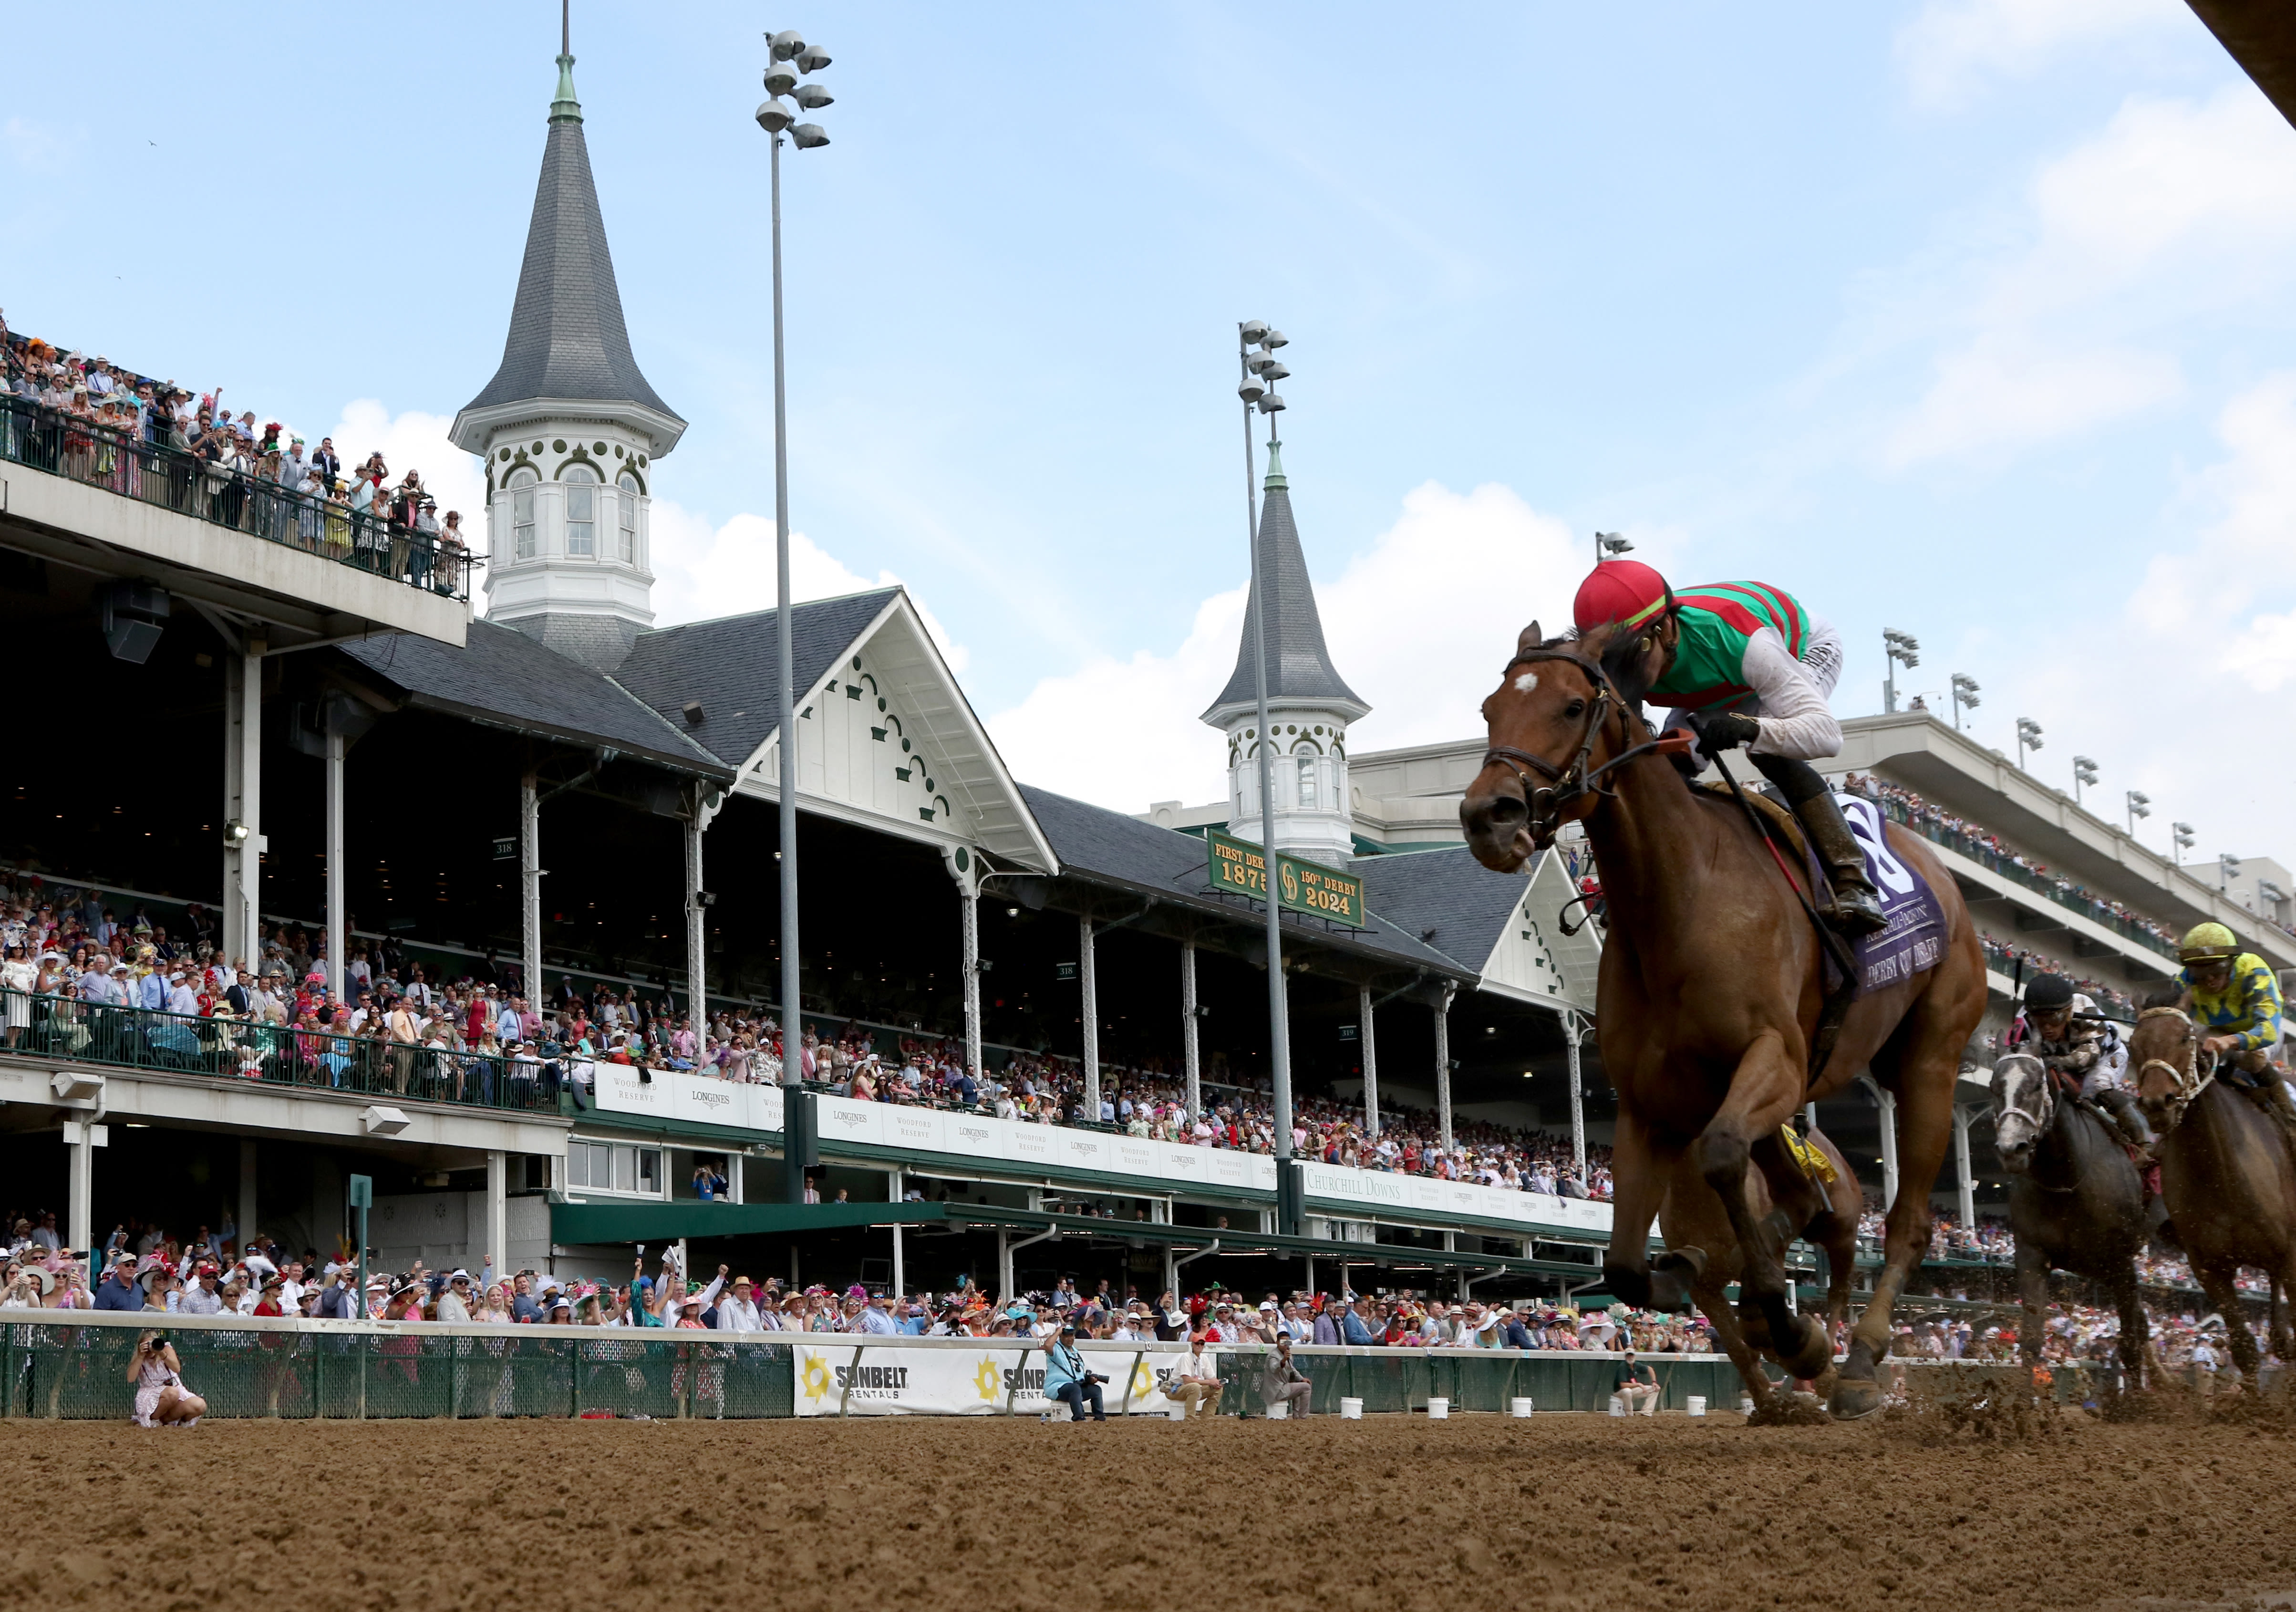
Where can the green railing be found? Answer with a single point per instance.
(67, 1030)
(1390, 1380)
(1993, 861)
(77, 1369)
(119, 461)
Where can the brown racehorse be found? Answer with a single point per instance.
(2225, 1171)
(1710, 990)
(1825, 1213)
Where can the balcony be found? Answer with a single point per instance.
(108, 501)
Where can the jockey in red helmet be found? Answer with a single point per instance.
(1744, 664)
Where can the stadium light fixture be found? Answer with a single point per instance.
(2029, 739)
(2140, 805)
(2228, 870)
(1897, 649)
(788, 55)
(2084, 773)
(2180, 841)
(1609, 546)
(1964, 697)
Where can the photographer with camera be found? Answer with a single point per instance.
(1066, 1378)
(161, 1399)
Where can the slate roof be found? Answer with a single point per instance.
(501, 675)
(566, 338)
(1448, 891)
(1298, 665)
(1109, 847)
(731, 666)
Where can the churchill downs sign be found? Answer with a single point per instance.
(1240, 868)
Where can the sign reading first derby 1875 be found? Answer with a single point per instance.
(1241, 867)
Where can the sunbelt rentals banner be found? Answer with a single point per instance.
(868, 1379)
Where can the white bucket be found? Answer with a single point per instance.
(1057, 1412)
(1351, 1409)
(1519, 1407)
(1618, 1406)
(1177, 1413)
(1279, 1412)
(1746, 1404)
(1695, 1405)
(1438, 1410)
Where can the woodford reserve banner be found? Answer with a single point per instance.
(1240, 868)
(913, 1375)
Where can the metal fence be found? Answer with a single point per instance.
(1474, 1379)
(70, 1031)
(77, 1369)
(119, 461)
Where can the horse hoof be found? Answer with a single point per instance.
(1687, 1262)
(1631, 1288)
(1855, 1399)
(1815, 1354)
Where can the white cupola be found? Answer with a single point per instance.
(569, 429)
(1309, 704)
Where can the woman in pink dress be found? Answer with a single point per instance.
(161, 1399)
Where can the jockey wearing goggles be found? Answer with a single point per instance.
(1744, 664)
(2065, 1030)
(2234, 994)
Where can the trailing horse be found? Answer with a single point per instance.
(1818, 1209)
(1711, 987)
(2076, 1200)
(2227, 1172)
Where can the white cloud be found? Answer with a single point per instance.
(1955, 48)
(701, 572)
(1419, 626)
(2174, 211)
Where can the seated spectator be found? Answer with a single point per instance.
(1635, 1386)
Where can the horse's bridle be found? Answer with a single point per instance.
(1564, 785)
(2193, 1075)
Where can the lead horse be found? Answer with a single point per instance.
(1710, 990)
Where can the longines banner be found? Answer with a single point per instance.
(869, 1378)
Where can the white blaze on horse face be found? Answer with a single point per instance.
(1526, 683)
(2018, 1099)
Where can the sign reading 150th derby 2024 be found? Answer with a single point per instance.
(1241, 867)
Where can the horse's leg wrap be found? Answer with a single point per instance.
(1672, 1274)
(1857, 910)
(1631, 1288)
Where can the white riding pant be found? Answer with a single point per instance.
(2109, 1073)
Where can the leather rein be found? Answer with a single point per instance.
(1566, 785)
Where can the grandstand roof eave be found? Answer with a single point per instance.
(1953, 771)
(2261, 35)
(476, 424)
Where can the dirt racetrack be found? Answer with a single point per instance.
(1573, 1511)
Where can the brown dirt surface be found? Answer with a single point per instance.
(1560, 1511)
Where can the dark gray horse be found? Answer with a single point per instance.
(2076, 1202)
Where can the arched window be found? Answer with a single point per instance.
(1306, 783)
(522, 512)
(628, 501)
(582, 509)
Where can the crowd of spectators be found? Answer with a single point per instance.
(104, 423)
(1975, 841)
(66, 956)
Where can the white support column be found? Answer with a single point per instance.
(529, 888)
(1572, 1032)
(1370, 1064)
(1004, 1268)
(1963, 1176)
(900, 1271)
(697, 985)
(242, 860)
(1090, 1018)
(1191, 1053)
(968, 902)
(735, 1160)
(79, 1208)
(248, 1224)
(498, 1249)
(338, 938)
(1887, 1102)
(1443, 1064)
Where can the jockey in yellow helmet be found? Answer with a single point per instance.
(2236, 997)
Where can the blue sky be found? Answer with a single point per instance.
(1969, 317)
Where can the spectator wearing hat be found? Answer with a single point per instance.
(455, 1299)
(1066, 1377)
(201, 1298)
(118, 1290)
(1283, 1382)
(1196, 1384)
(1636, 1386)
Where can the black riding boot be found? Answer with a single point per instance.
(1856, 911)
(2121, 1103)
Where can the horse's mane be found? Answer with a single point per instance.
(2166, 996)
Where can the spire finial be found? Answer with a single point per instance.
(1274, 466)
(566, 106)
